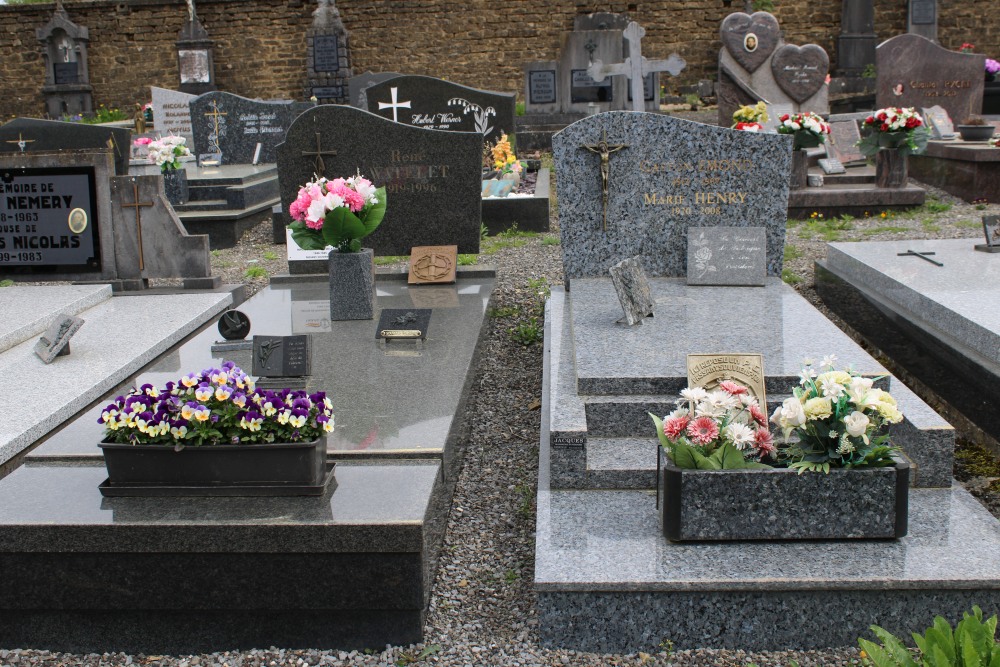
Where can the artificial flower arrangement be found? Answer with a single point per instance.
(992, 68)
(840, 421)
(721, 429)
(166, 152)
(750, 117)
(218, 406)
(504, 159)
(336, 213)
(807, 129)
(894, 127)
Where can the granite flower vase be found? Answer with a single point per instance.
(891, 168)
(175, 186)
(278, 469)
(352, 285)
(800, 170)
(781, 504)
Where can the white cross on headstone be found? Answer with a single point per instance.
(395, 106)
(636, 66)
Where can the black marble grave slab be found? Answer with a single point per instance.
(233, 126)
(32, 135)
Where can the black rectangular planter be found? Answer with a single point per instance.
(297, 468)
(781, 504)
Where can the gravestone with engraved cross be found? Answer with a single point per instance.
(637, 67)
(233, 126)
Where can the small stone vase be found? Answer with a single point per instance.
(800, 170)
(175, 186)
(352, 285)
(891, 169)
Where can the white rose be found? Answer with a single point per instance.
(790, 414)
(856, 424)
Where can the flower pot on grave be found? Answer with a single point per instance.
(278, 469)
(891, 170)
(175, 186)
(352, 285)
(800, 170)
(975, 132)
(781, 504)
(497, 187)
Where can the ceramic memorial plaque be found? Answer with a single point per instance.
(433, 265)
(708, 370)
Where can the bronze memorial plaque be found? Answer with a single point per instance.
(708, 370)
(433, 264)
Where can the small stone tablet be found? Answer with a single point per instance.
(832, 165)
(403, 323)
(726, 256)
(282, 356)
(630, 283)
(55, 341)
(433, 264)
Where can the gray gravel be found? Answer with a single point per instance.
(482, 609)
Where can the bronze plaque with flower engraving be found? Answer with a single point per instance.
(708, 370)
(433, 264)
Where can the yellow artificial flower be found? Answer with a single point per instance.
(818, 408)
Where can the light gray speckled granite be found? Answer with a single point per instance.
(929, 440)
(120, 336)
(666, 179)
(946, 301)
(563, 418)
(28, 310)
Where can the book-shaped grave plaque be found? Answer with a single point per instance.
(403, 324)
(629, 279)
(832, 165)
(726, 256)
(939, 123)
(433, 264)
(991, 230)
(282, 356)
(55, 341)
(708, 370)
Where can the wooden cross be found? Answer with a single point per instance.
(604, 149)
(138, 218)
(21, 142)
(319, 153)
(921, 255)
(636, 66)
(395, 106)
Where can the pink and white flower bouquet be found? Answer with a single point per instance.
(724, 428)
(807, 129)
(166, 152)
(336, 213)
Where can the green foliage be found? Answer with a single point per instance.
(270, 255)
(968, 224)
(790, 277)
(540, 286)
(7, 282)
(527, 333)
(526, 505)
(510, 576)
(763, 5)
(908, 142)
(385, 260)
(885, 230)
(791, 252)
(505, 311)
(936, 206)
(342, 229)
(519, 109)
(550, 240)
(408, 657)
(725, 457)
(101, 115)
(693, 100)
(869, 71)
(467, 260)
(256, 272)
(972, 644)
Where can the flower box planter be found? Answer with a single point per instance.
(280, 469)
(975, 132)
(780, 504)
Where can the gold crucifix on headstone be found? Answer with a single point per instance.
(21, 142)
(214, 115)
(604, 149)
(319, 153)
(138, 218)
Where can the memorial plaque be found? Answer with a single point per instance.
(325, 54)
(632, 287)
(234, 325)
(194, 66)
(431, 265)
(648, 87)
(282, 356)
(991, 230)
(708, 370)
(47, 221)
(800, 71)
(843, 142)
(542, 87)
(327, 92)
(403, 323)
(831, 165)
(66, 73)
(939, 122)
(55, 341)
(233, 126)
(726, 256)
(584, 89)
(923, 12)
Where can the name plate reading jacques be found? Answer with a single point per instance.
(403, 324)
(282, 356)
(726, 256)
(708, 370)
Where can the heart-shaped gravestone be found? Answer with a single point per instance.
(800, 71)
(750, 39)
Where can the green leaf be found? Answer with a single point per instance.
(305, 238)
(373, 217)
(705, 462)
(684, 456)
(732, 458)
(659, 432)
(341, 225)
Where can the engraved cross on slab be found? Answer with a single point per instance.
(604, 149)
(319, 153)
(921, 255)
(21, 142)
(136, 204)
(395, 106)
(636, 66)
(213, 138)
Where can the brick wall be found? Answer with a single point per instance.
(260, 44)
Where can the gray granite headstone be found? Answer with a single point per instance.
(358, 86)
(670, 175)
(915, 72)
(171, 113)
(726, 256)
(233, 126)
(432, 178)
(31, 135)
(436, 104)
(55, 341)
(632, 288)
(938, 122)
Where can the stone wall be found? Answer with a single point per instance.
(260, 44)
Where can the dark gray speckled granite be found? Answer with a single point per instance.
(665, 158)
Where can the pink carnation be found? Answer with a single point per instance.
(732, 388)
(703, 430)
(298, 208)
(352, 199)
(142, 141)
(674, 427)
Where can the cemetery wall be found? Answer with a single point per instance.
(260, 45)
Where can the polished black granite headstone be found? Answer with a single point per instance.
(32, 135)
(233, 126)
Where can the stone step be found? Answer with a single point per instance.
(622, 463)
(30, 309)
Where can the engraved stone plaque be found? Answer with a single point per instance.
(708, 370)
(55, 341)
(726, 256)
(282, 356)
(403, 323)
(435, 264)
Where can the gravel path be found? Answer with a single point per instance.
(482, 608)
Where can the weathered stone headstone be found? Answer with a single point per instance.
(357, 86)
(172, 113)
(726, 256)
(430, 103)
(857, 40)
(233, 126)
(669, 175)
(328, 55)
(915, 72)
(577, 89)
(432, 179)
(67, 88)
(31, 135)
(938, 122)
(632, 288)
(541, 87)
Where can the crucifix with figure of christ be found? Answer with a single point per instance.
(319, 153)
(138, 218)
(21, 142)
(636, 66)
(604, 149)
